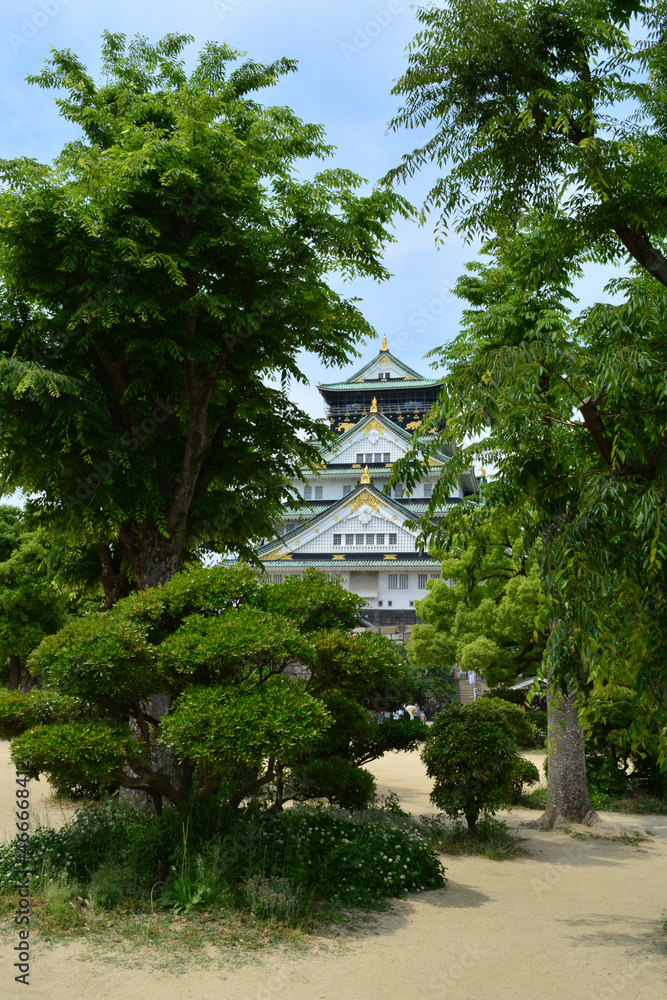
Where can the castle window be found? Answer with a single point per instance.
(379, 604)
(379, 539)
(423, 577)
(337, 539)
(276, 578)
(386, 457)
(378, 456)
(398, 491)
(360, 539)
(347, 490)
(392, 539)
(349, 539)
(428, 489)
(403, 581)
(390, 604)
(370, 539)
(318, 492)
(435, 576)
(360, 458)
(369, 459)
(393, 581)
(307, 492)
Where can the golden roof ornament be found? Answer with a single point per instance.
(365, 478)
(482, 472)
(384, 344)
(374, 405)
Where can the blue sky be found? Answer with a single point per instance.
(349, 52)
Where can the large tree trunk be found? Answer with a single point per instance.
(567, 788)
(14, 673)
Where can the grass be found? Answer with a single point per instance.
(492, 838)
(158, 938)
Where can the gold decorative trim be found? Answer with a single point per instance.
(374, 425)
(384, 344)
(388, 556)
(384, 361)
(335, 517)
(272, 556)
(393, 517)
(374, 405)
(434, 464)
(365, 478)
(356, 466)
(365, 497)
(338, 557)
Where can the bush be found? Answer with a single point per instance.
(473, 756)
(116, 852)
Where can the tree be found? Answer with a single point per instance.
(472, 754)
(250, 682)
(158, 282)
(481, 615)
(559, 108)
(30, 605)
(553, 105)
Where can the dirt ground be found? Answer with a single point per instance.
(573, 920)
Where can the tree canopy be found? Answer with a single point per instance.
(31, 606)
(260, 695)
(550, 105)
(482, 614)
(158, 282)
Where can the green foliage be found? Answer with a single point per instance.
(491, 839)
(485, 621)
(77, 754)
(30, 604)
(300, 599)
(559, 107)
(471, 753)
(550, 123)
(118, 853)
(242, 718)
(221, 728)
(151, 277)
(615, 764)
(356, 859)
(98, 657)
(20, 711)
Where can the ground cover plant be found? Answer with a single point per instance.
(295, 869)
(491, 838)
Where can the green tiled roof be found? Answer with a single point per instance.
(385, 354)
(380, 385)
(421, 562)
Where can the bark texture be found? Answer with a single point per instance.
(567, 787)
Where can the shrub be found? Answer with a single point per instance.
(114, 852)
(472, 754)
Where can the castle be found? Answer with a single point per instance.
(350, 523)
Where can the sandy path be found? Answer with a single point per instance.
(574, 920)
